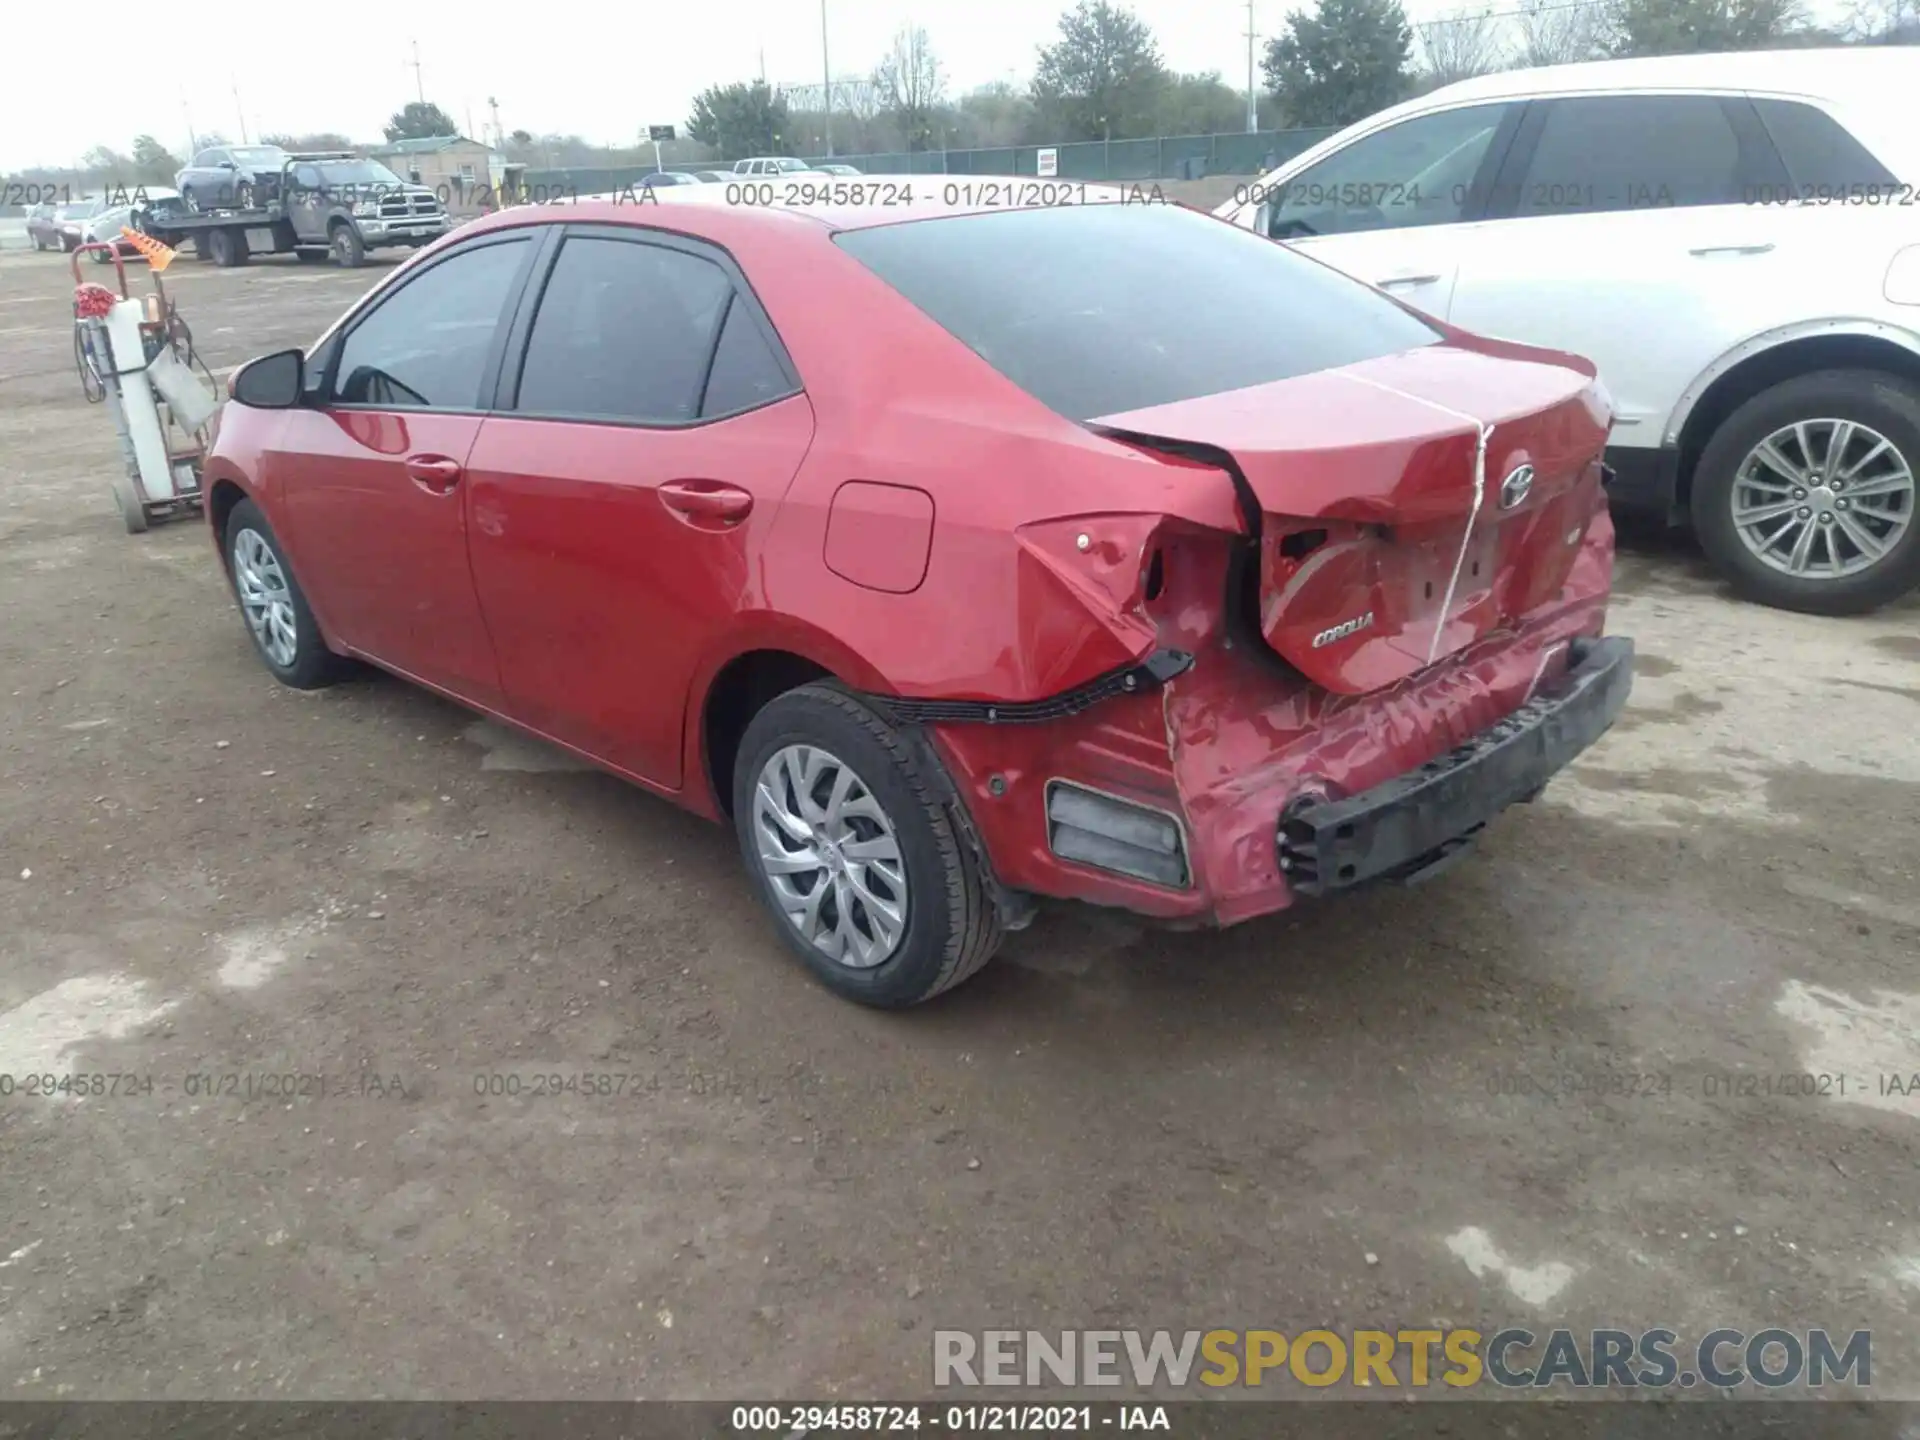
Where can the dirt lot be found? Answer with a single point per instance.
(1292, 1123)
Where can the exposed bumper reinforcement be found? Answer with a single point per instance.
(1411, 826)
(1150, 674)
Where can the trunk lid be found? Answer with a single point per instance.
(1408, 505)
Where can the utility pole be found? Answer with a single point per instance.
(826, 78)
(193, 141)
(763, 64)
(499, 135)
(419, 87)
(241, 112)
(1253, 105)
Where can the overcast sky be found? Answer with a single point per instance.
(569, 66)
(564, 66)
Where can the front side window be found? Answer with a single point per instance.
(1632, 152)
(425, 346)
(1418, 172)
(1099, 309)
(625, 331)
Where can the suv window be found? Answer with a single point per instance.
(1632, 152)
(1099, 309)
(625, 331)
(1819, 154)
(425, 346)
(1418, 172)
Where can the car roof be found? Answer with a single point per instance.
(1828, 73)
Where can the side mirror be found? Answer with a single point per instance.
(226, 164)
(270, 383)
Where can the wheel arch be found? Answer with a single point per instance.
(737, 680)
(1765, 360)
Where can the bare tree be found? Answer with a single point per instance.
(1458, 47)
(910, 86)
(1555, 32)
(1884, 22)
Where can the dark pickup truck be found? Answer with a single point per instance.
(332, 204)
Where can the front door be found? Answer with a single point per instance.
(373, 477)
(1389, 207)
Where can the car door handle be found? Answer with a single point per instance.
(1760, 249)
(706, 499)
(1408, 281)
(435, 474)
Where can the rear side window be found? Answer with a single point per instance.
(625, 331)
(1818, 152)
(425, 346)
(745, 373)
(1632, 152)
(1098, 309)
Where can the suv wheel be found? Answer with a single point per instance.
(861, 862)
(273, 605)
(346, 247)
(1805, 497)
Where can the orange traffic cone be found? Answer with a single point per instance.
(158, 256)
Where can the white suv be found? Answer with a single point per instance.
(1733, 239)
(770, 165)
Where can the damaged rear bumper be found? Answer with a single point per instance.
(1415, 824)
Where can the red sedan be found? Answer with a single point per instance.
(956, 556)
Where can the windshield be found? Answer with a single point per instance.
(785, 165)
(356, 172)
(1099, 309)
(257, 155)
(80, 210)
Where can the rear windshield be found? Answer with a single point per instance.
(1098, 309)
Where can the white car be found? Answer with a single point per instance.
(1733, 239)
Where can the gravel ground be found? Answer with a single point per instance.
(1289, 1124)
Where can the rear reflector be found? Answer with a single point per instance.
(1090, 828)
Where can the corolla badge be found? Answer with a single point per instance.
(1343, 629)
(1516, 487)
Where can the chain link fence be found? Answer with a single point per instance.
(1165, 157)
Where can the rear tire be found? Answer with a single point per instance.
(288, 642)
(951, 925)
(228, 247)
(1869, 400)
(349, 251)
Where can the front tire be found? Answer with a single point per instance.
(860, 860)
(284, 633)
(348, 249)
(1805, 497)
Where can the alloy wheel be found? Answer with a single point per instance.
(831, 856)
(1821, 499)
(265, 598)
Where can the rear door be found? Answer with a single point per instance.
(1627, 236)
(372, 476)
(649, 424)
